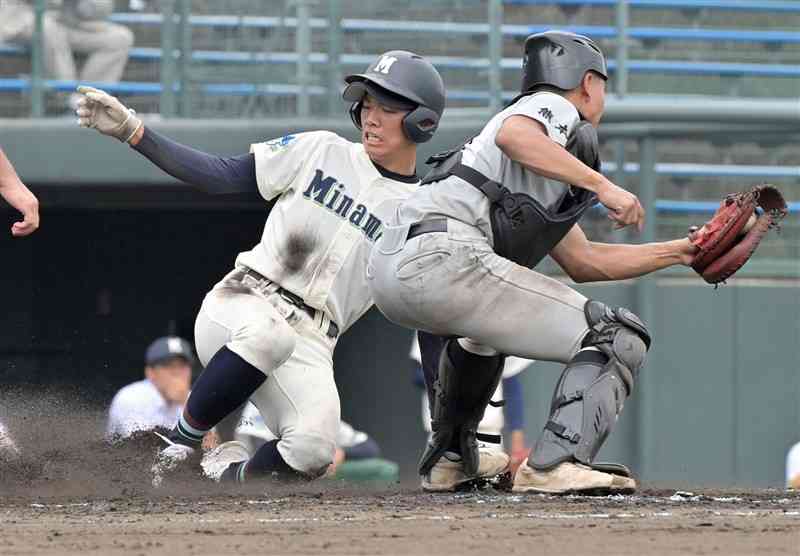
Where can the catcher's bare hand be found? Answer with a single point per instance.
(99, 110)
(623, 206)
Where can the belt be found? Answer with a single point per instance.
(427, 227)
(296, 300)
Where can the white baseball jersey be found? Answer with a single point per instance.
(450, 198)
(793, 465)
(332, 205)
(140, 406)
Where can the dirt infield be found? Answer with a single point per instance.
(335, 519)
(71, 492)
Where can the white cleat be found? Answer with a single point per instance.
(216, 461)
(571, 478)
(448, 473)
(168, 459)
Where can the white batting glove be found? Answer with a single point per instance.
(106, 114)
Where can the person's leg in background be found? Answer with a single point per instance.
(106, 45)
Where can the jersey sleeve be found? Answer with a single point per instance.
(558, 115)
(278, 161)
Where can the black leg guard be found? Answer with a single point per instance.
(465, 383)
(430, 349)
(590, 394)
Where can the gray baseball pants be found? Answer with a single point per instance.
(453, 283)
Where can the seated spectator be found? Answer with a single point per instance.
(70, 27)
(793, 467)
(357, 458)
(156, 401)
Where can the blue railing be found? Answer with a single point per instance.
(685, 67)
(786, 6)
(382, 25)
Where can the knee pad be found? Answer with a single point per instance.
(621, 335)
(592, 389)
(307, 453)
(265, 345)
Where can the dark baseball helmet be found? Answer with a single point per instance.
(560, 59)
(404, 81)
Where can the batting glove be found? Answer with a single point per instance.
(106, 114)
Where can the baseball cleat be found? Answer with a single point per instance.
(169, 458)
(216, 461)
(571, 478)
(447, 475)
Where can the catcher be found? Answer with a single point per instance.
(457, 260)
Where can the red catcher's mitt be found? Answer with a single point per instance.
(728, 240)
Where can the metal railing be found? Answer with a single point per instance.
(646, 120)
(176, 55)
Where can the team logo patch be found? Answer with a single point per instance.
(384, 64)
(280, 143)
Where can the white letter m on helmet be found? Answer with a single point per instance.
(384, 64)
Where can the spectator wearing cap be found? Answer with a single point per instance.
(158, 400)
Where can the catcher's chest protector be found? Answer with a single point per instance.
(524, 231)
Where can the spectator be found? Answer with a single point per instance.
(156, 401)
(71, 26)
(793, 467)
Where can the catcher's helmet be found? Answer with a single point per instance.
(405, 81)
(560, 59)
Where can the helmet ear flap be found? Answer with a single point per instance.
(420, 124)
(355, 113)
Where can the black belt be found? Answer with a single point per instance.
(297, 301)
(426, 227)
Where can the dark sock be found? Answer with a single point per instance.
(267, 461)
(231, 474)
(227, 382)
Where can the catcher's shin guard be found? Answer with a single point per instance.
(464, 385)
(590, 394)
